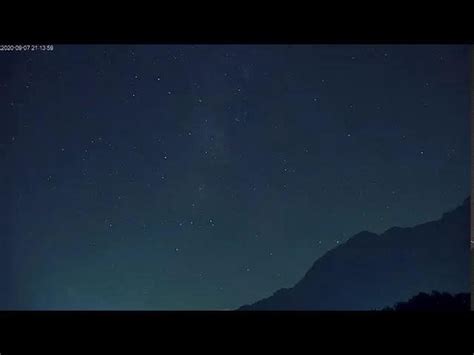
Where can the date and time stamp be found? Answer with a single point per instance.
(26, 47)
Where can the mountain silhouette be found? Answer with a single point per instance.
(472, 273)
(436, 301)
(371, 271)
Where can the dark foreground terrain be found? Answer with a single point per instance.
(371, 271)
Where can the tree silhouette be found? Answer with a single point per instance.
(436, 301)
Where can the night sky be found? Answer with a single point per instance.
(209, 176)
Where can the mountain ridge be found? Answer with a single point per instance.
(374, 270)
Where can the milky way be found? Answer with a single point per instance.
(207, 177)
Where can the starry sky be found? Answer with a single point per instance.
(171, 177)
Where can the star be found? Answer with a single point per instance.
(253, 134)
